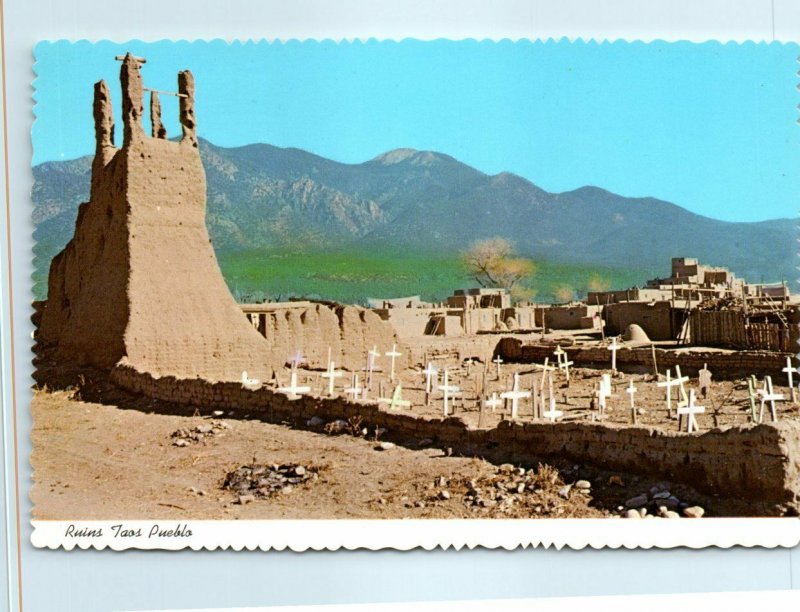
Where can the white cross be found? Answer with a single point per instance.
(371, 357)
(515, 395)
(544, 366)
(669, 383)
(429, 372)
(545, 369)
(293, 390)
(684, 401)
(354, 389)
(552, 413)
(613, 348)
(790, 373)
(767, 394)
(498, 360)
(601, 396)
(297, 359)
(250, 383)
(447, 389)
(393, 354)
(690, 410)
(396, 401)
(332, 374)
(566, 365)
(494, 402)
(631, 390)
(563, 364)
(605, 384)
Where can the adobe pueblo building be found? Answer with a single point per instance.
(139, 285)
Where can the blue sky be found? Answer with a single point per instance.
(710, 127)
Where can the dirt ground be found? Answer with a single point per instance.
(100, 461)
(103, 453)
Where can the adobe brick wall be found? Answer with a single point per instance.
(722, 365)
(756, 461)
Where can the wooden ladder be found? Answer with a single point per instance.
(773, 308)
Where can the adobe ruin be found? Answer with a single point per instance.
(139, 285)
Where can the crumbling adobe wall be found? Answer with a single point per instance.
(722, 365)
(349, 331)
(139, 283)
(86, 312)
(756, 461)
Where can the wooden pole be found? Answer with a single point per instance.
(655, 363)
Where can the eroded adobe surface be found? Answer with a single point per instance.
(139, 283)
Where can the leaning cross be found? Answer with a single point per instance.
(447, 389)
(691, 409)
(332, 374)
(752, 392)
(515, 395)
(682, 379)
(566, 365)
(396, 401)
(669, 383)
(545, 369)
(563, 364)
(767, 394)
(393, 354)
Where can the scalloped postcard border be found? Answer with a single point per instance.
(429, 534)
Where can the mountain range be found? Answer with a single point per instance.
(268, 198)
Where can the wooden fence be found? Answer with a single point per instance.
(719, 328)
(732, 329)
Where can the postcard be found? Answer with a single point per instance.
(399, 294)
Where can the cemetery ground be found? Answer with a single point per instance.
(101, 453)
(725, 403)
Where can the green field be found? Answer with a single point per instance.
(352, 277)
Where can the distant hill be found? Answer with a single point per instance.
(265, 197)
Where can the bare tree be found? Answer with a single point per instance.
(598, 283)
(492, 263)
(563, 293)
